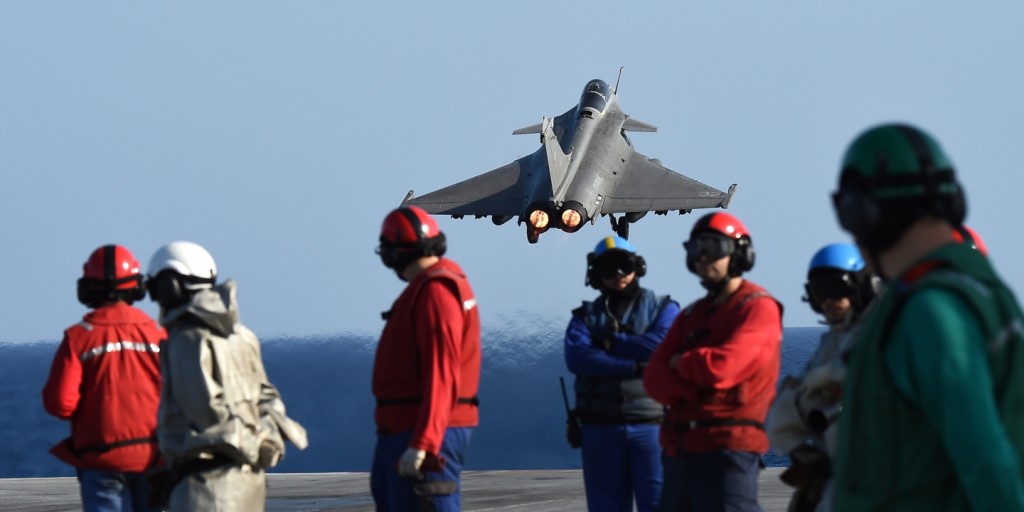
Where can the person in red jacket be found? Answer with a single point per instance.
(426, 371)
(716, 372)
(105, 379)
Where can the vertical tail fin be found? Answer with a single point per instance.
(558, 162)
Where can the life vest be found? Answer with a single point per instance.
(618, 399)
(731, 418)
(892, 457)
(397, 375)
(106, 380)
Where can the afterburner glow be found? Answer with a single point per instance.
(571, 218)
(539, 219)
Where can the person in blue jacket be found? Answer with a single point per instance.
(607, 346)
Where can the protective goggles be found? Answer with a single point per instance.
(830, 286)
(615, 264)
(713, 247)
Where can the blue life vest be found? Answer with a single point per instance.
(618, 399)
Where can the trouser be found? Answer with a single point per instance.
(226, 488)
(723, 480)
(436, 492)
(113, 491)
(621, 462)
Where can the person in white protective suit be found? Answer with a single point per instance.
(221, 422)
(801, 422)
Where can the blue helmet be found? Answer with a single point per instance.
(613, 242)
(838, 270)
(844, 257)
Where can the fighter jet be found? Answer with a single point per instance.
(586, 168)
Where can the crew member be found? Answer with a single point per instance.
(801, 422)
(607, 346)
(426, 372)
(931, 403)
(105, 379)
(716, 371)
(222, 423)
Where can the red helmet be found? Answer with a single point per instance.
(722, 223)
(965, 234)
(110, 273)
(408, 225)
(409, 233)
(726, 225)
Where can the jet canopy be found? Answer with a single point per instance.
(595, 96)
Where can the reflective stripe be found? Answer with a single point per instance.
(118, 346)
(469, 304)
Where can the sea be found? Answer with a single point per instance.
(325, 383)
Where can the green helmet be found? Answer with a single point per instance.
(892, 175)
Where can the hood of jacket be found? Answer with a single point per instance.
(215, 308)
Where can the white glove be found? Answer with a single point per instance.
(410, 462)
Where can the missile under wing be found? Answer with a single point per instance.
(586, 168)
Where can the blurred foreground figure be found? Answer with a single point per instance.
(105, 379)
(932, 416)
(222, 423)
(607, 346)
(716, 371)
(802, 420)
(426, 371)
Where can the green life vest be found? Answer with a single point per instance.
(880, 428)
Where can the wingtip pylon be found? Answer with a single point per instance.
(408, 196)
(728, 196)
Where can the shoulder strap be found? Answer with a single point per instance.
(964, 286)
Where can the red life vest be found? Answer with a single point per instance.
(427, 367)
(105, 378)
(729, 371)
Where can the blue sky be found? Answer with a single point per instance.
(278, 134)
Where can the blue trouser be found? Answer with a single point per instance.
(113, 491)
(621, 462)
(710, 482)
(394, 493)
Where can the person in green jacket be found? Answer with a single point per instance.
(933, 406)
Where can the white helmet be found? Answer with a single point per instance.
(190, 268)
(187, 259)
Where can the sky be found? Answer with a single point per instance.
(278, 135)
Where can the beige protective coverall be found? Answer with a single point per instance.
(818, 388)
(216, 401)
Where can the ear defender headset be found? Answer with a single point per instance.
(92, 291)
(396, 255)
(861, 212)
(593, 278)
(742, 257)
(170, 289)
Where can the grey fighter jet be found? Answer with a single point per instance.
(586, 168)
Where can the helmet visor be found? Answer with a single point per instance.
(713, 247)
(615, 264)
(830, 286)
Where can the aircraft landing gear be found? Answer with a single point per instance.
(620, 226)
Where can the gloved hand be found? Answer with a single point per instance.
(410, 462)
